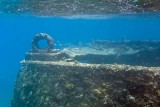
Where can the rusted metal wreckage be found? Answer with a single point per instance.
(53, 78)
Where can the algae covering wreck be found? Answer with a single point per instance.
(54, 78)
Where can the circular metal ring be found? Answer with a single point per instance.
(42, 36)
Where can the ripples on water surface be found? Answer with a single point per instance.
(78, 7)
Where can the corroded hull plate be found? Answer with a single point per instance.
(70, 84)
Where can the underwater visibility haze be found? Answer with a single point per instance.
(89, 31)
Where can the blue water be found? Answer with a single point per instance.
(17, 31)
